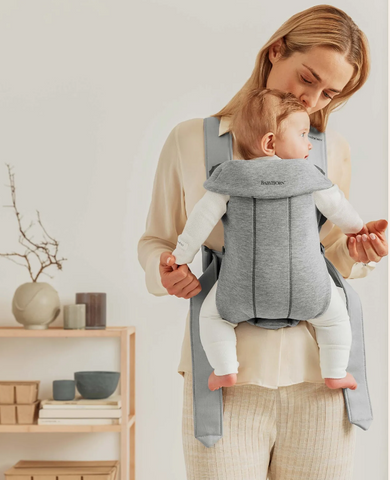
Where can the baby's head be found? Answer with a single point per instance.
(271, 122)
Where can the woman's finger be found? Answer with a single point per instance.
(192, 289)
(378, 228)
(361, 252)
(172, 275)
(379, 243)
(176, 283)
(170, 279)
(369, 248)
(180, 282)
(352, 248)
(380, 246)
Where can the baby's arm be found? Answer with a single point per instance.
(203, 218)
(333, 204)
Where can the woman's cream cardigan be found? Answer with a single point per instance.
(270, 358)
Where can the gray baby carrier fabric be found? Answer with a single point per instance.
(270, 270)
(207, 404)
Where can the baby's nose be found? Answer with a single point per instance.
(310, 146)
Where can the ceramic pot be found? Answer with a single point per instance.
(36, 305)
(64, 390)
(96, 385)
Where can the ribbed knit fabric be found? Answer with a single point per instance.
(296, 432)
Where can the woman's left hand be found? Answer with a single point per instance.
(364, 248)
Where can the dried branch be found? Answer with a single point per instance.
(43, 248)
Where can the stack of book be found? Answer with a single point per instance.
(81, 411)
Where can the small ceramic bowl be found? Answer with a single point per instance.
(96, 385)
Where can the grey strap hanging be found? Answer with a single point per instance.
(207, 404)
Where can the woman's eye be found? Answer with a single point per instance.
(328, 96)
(325, 94)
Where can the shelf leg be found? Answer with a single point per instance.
(131, 343)
(124, 386)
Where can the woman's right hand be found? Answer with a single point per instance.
(178, 279)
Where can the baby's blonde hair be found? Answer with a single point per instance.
(261, 111)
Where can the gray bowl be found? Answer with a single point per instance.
(96, 385)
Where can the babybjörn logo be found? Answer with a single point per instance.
(315, 138)
(272, 182)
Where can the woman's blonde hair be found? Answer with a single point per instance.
(261, 111)
(318, 26)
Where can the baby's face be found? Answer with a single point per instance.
(294, 143)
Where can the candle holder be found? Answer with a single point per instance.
(95, 304)
(64, 390)
(74, 317)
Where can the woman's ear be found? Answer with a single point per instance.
(274, 51)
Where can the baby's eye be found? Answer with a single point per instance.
(303, 133)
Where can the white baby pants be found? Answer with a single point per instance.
(333, 332)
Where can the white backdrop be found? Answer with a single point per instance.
(89, 91)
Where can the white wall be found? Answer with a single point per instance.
(89, 91)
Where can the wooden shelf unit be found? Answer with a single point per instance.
(127, 390)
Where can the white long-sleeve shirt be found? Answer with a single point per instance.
(331, 202)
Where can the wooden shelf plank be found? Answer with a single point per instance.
(59, 428)
(21, 332)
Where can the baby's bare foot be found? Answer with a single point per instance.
(347, 382)
(216, 381)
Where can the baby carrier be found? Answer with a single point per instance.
(272, 267)
(295, 305)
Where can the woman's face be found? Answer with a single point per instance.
(312, 77)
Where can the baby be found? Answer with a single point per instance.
(271, 125)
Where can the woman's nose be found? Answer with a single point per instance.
(310, 101)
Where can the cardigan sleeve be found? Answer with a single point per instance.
(167, 215)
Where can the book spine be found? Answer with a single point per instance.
(79, 421)
(78, 407)
(115, 413)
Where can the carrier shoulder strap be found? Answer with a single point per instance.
(217, 148)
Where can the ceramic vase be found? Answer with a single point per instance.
(36, 305)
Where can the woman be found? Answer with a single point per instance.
(280, 419)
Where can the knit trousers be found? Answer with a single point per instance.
(296, 432)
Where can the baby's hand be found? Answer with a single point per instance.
(363, 230)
